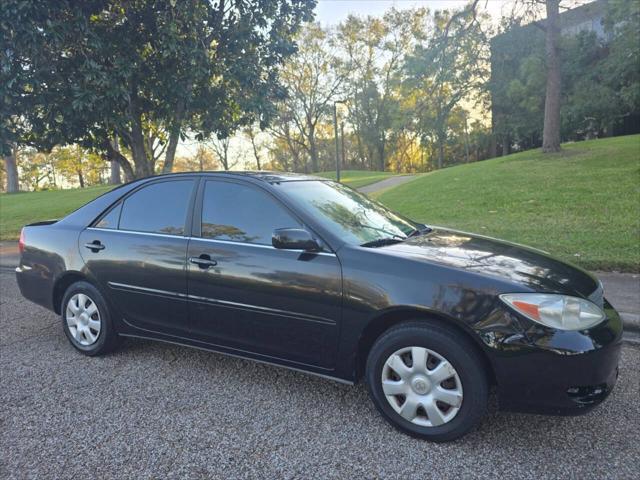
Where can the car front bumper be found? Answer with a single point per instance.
(542, 370)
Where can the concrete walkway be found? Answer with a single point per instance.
(386, 183)
(621, 289)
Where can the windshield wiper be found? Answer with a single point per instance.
(420, 231)
(378, 229)
(381, 242)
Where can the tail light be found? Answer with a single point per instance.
(21, 242)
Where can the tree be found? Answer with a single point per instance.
(219, 147)
(451, 67)
(551, 130)
(375, 50)
(80, 72)
(256, 146)
(312, 80)
(78, 166)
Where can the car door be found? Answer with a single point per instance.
(248, 295)
(137, 252)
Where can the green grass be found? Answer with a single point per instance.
(582, 205)
(19, 209)
(356, 178)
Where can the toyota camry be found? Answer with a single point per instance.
(306, 273)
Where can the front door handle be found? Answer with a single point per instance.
(94, 246)
(203, 261)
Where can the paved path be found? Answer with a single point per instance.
(153, 410)
(386, 183)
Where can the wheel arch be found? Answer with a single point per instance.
(398, 315)
(62, 283)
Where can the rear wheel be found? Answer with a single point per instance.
(428, 381)
(86, 320)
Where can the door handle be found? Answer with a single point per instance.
(94, 246)
(203, 261)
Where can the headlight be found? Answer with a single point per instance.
(557, 311)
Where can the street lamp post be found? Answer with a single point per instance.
(335, 129)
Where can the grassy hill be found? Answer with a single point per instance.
(20, 208)
(26, 207)
(582, 205)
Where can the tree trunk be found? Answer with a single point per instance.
(506, 145)
(256, 153)
(551, 131)
(141, 160)
(114, 178)
(174, 138)
(115, 156)
(440, 151)
(313, 150)
(381, 159)
(12, 171)
(80, 179)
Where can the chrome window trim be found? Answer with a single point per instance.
(261, 245)
(224, 242)
(136, 232)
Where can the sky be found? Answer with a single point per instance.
(332, 12)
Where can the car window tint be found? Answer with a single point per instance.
(241, 213)
(160, 208)
(110, 220)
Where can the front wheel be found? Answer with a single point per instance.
(428, 381)
(86, 320)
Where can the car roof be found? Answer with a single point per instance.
(264, 175)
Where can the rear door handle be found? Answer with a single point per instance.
(94, 246)
(203, 261)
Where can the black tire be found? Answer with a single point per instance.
(107, 338)
(458, 350)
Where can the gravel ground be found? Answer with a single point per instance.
(152, 410)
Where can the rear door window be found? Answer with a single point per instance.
(158, 208)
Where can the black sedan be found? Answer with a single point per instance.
(308, 274)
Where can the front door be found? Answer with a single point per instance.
(137, 252)
(248, 295)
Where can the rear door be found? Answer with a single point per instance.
(280, 304)
(137, 252)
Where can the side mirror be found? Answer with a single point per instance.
(294, 239)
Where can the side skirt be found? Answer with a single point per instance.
(215, 350)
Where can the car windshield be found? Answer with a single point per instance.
(346, 213)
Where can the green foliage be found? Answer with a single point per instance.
(600, 79)
(448, 70)
(148, 71)
(581, 204)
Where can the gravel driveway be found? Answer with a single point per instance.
(156, 410)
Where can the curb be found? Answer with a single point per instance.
(630, 321)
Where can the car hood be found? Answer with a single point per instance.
(515, 263)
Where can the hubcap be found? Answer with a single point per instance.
(422, 386)
(83, 319)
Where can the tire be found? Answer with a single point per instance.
(86, 320)
(416, 399)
